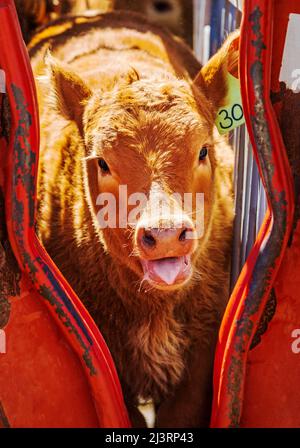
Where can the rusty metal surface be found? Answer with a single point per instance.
(4, 423)
(9, 271)
(249, 299)
(265, 319)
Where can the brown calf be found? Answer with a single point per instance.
(125, 104)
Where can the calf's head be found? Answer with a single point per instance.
(149, 163)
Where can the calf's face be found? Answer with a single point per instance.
(149, 164)
(148, 142)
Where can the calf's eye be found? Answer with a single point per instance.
(103, 166)
(162, 6)
(203, 152)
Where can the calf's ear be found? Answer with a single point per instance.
(212, 77)
(68, 92)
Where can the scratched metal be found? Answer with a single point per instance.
(9, 270)
(23, 175)
(263, 270)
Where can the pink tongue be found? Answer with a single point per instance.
(167, 269)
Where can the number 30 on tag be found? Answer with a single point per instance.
(231, 115)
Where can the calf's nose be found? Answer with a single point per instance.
(155, 243)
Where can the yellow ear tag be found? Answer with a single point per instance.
(231, 116)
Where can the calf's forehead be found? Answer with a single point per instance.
(163, 119)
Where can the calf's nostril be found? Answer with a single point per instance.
(188, 233)
(183, 234)
(148, 239)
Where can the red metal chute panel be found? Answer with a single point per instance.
(55, 367)
(256, 368)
